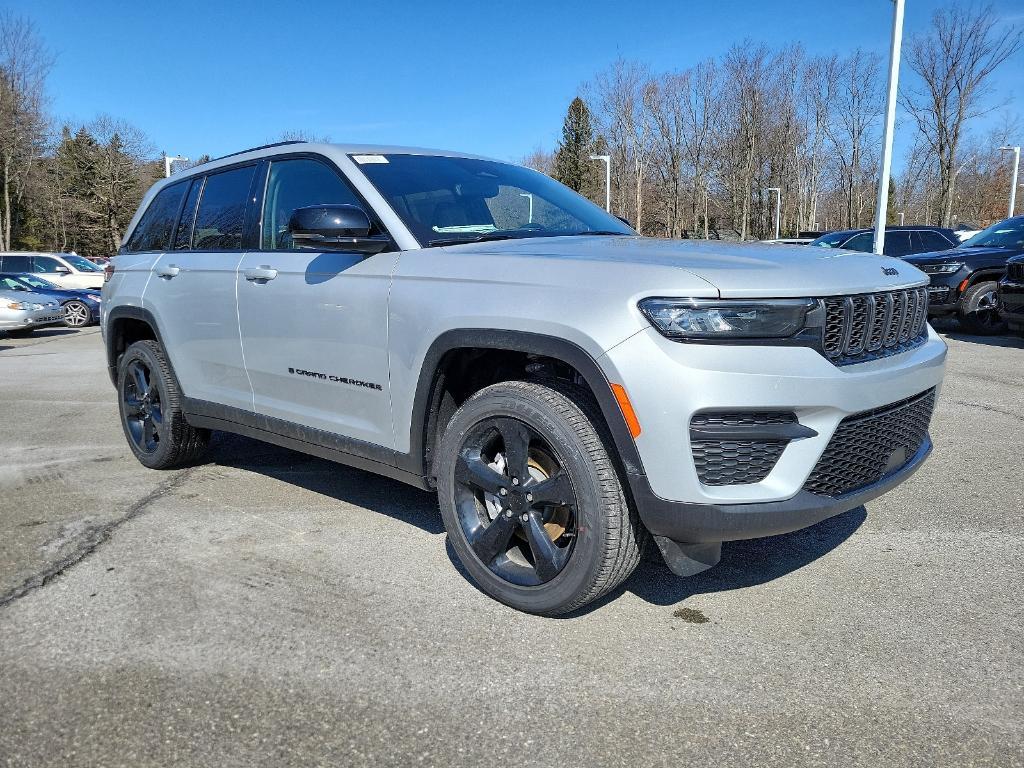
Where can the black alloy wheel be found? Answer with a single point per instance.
(516, 503)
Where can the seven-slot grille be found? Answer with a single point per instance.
(863, 327)
(1015, 271)
(869, 445)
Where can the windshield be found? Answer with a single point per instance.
(12, 284)
(37, 282)
(79, 263)
(446, 200)
(1005, 234)
(832, 240)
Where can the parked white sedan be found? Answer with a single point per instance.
(22, 312)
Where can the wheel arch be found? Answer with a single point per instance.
(124, 326)
(428, 417)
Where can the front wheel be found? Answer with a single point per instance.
(531, 498)
(76, 314)
(979, 310)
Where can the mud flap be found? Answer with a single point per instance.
(688, 559)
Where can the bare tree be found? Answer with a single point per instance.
(954, 61)
(24, 65)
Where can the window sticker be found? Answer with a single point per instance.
(364, 159)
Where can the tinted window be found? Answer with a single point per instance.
(933, 241)
(183, 237)
(221, 214)
(154, 229)
(47, 265)
(897, 244)
(294, 184)
(16, 264)
(862, 242)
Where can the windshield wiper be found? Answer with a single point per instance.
(475, 239)
(600, 232)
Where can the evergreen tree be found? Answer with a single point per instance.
(573, 166)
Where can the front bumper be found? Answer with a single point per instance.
(944, 293)
(1011, 303)
(668, 382)
(36, 318)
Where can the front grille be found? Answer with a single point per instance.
(737, 462)
(869, 445)
(864, 327)
(1015, 272)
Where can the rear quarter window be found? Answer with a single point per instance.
(153, 232)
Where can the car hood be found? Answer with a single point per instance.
(33, 297)
(737, 270)
(997, 255)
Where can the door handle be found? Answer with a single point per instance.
(260, 274)
(171, 270)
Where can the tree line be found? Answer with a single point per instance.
(695, 151)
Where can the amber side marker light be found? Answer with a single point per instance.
(963, 285)
(627, 410)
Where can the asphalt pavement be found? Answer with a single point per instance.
(271, 609)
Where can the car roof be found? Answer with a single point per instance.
(895, 228)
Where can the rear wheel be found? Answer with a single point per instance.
(76, 314)
(150, 406)
(978, 310)
(531, 499)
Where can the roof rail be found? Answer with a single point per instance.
(253, 149)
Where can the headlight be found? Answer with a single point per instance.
(941, 269)
(724, 319)
(24, 305)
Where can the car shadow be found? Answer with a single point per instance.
(950, 328)
(743, 564)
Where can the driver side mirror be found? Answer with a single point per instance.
(60, 269)
(334, 228)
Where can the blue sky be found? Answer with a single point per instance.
(493, 78)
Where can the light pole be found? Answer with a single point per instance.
(168, 160)
(900, 214)
(607, 160)
(778, 207)
(1013, 181)
(529, 195)
(890, 121)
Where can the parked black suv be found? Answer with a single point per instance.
(964, 280)
(899, 241)
(1011, 294)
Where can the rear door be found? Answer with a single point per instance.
(315, 324)
(192, 290)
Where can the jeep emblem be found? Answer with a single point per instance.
(890, 271)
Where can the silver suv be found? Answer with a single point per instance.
(570, 389)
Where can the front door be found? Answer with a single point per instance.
(314, 325)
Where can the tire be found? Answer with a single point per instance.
(77, 314)
(569, 506)
(977, 312)
(149, 401)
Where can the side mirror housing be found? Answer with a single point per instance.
(60, 269)
(334, 228)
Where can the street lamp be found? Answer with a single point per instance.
(900, 214)
(530, 196)
(778, 207)
(890, 121)
(607, 160)
(1013, 182)
(168, 160)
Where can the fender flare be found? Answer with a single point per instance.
(125, 312)
(530, 343)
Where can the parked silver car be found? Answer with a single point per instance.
(23, 311)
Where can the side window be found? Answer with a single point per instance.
(46, 265)
(295, 184)
(221, 213)
(153, 232)
(16, 264)
(897, 243)
(862, 242)
(183, 236)
(933, 241)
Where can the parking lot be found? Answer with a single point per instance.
(272, 609)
